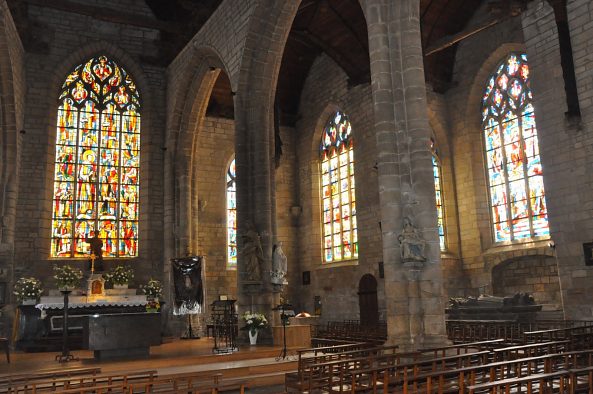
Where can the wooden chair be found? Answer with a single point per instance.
(4, 343)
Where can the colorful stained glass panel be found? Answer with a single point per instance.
(231, 198)
(338, 193)
(89, 196)
(523, 214)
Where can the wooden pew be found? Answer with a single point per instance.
(9, 381)
(191, 382)
(363, 373)
(557, 382)
(456, 380)
(529, 350)
(311, 372)
(82, 382)
(464, 347)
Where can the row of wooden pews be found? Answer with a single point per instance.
(91, 380)
(540, 361)
(349, 331)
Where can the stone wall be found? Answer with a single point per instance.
(326, 90)
(536, 275)
(565, 146)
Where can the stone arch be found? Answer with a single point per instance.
(267, 33)
(59, 74)
(186, 116)
(11, 123)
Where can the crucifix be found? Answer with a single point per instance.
(93, 257)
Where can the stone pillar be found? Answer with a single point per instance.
(413, 276)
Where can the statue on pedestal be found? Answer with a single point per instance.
(253, 254)
(279, 265)
(412, 245)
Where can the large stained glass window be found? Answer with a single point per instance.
(231, 216)
(512, 152)
(96, 174)
(340, 240)
(438, 191)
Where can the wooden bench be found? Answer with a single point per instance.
(529, 350)
(556, 382)
(191, 382)
(456, 380)
(82, 382)
(9, 381)
(310, 369)
(363, 373)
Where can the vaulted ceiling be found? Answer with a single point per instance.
(334, 27)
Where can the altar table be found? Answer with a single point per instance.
(296, 336)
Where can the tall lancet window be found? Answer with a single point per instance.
(515, 176)
(340, 240)
(438, 190)
(231, 216)
(96, 172)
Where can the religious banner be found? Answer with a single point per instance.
(187, 280)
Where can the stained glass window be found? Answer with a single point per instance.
(515, 176)
(340, 239)
(231, 216)
(438, 190)
(96, 176)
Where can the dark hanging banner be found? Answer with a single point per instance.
(189, 290)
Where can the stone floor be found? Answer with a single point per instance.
(258, 363)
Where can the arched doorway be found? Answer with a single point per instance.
(367, 301)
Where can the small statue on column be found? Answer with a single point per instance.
(279, 265)
(412, 245)
(253, 254)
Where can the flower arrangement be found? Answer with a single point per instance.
(153, 289)
(67, 277)
(27, 289)
(254, 321)
(120, 275)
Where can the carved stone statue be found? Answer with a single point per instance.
(279, 265)
(412, 245)
(253, 254)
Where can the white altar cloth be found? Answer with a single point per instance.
(52, 302)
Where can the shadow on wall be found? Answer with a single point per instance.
(536, 275)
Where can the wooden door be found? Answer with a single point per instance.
(367, 300)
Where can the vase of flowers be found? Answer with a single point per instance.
(153, 291)
(120, 276)
(67, 277)
(253, 323)
(28, 290)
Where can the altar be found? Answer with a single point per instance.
(40, 327)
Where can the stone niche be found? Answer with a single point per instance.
(536, 275)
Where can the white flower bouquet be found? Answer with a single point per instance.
(153, 289)
(27, 289)
(254, 321)
(120, 275)
(67, 277)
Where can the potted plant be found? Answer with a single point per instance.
(67, 278)
(253, 322)
(28, 290)
(153, 291)
(120, 276)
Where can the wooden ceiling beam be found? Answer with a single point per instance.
(350, 69)
(451, 40)
(104, 14)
